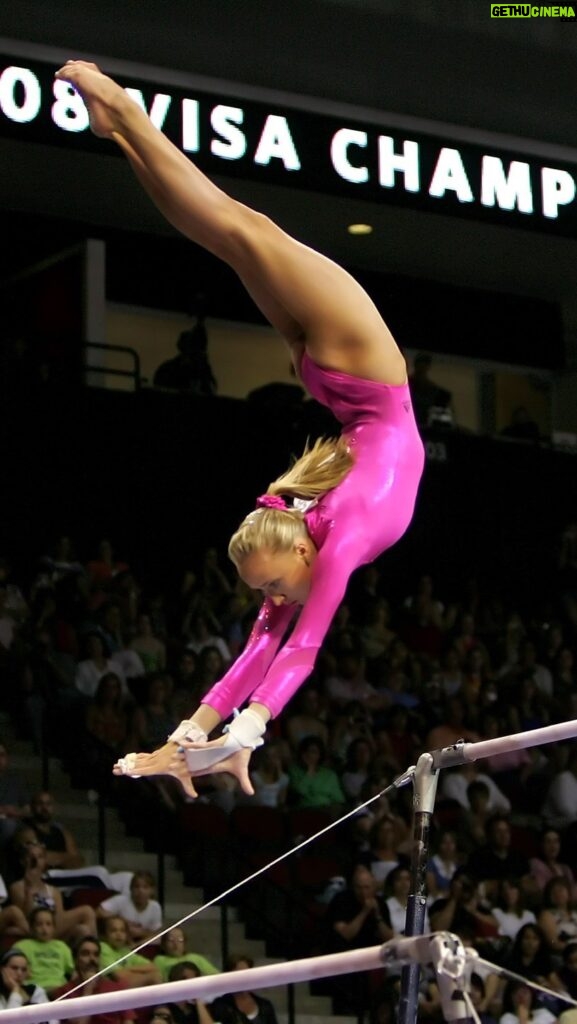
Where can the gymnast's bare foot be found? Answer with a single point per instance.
(104, 98)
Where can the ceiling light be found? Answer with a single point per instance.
(360, 229)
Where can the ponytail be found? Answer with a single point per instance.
(319, 469)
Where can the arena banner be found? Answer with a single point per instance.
(302, 147)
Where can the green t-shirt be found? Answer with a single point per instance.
(319, 790)
(164, 963)
(109, 956)
(51, 962)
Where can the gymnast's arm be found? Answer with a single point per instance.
(337, 559)
(237, 685)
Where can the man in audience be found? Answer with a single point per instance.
(86, 965)
(61, 848)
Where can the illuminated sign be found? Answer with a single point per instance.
(309, 150)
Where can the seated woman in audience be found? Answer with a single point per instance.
(97, 663)
(357, 766)
(106, 718)
(188, 1011)
(305, 716)
(242, 1007)
(173, 950)
(530, 956)
(269, 780)
(398, 887)
(50, 959)
(520, 1006)
(509, 908)
(152, 722)
(547, 865)
(442, 866)
(32, 891)
(383, 854)
(312, 783)
(568, 970)
(16, 989)
(151, 650)
(376, 634)
(558, 915)
(142, 913)
(136, 970)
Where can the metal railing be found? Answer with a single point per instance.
(134, 374)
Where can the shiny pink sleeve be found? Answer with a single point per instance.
(337, 559)
(251, 666)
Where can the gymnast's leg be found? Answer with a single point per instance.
(306, 296)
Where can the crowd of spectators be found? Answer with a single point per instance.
(97, 662)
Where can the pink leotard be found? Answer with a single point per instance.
(366, 514)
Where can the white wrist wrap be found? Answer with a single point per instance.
(188, 730)
(246, 730)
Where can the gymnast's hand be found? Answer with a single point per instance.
(170, 760)
(104, 99)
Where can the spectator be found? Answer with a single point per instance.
(520, 1006)
(521, 426)
(202, 635)
(86, 966)
(509, 909)
(462, 910)
(312, 784)
(270, 782)
(358, 916)
(348, 684)
(306, 717)
(558, 916)
(455, 782)
(106, 719)
(548, 866)
(568, 970)
(150, 649)
(357, 767)
(497, 860)
(188, 1011)
(442, 866)
(477, 817)
(152, 722)
(375, 634)
(95, 665)
(242, 1007)
(431, 402)
(50, 959)
(16, 989)
(452, 728)
(142, 913)
(478, 994)
(61, 849)
(383, 855)
(32, 891)
(398, 885)
(173, 951)
(190, 370)
(560, 807)
(135, 970)
(530, 957)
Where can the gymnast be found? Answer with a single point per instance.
(341, 504)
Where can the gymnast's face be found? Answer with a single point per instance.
(284, 576)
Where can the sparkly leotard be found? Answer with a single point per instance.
(366, 514)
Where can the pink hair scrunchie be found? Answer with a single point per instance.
(271, 501)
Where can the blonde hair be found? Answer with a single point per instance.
(319, 469)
